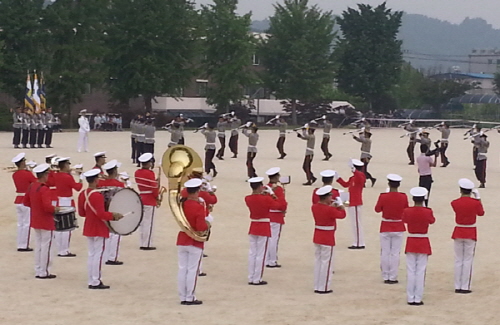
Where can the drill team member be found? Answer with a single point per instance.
(26, 128)
(445, 135)
(327, 177)
(418, 247)
(91, 207)
(327, 127)
(42, 211)
(482, 155)
(308, 135)
(253, 138)
(149, 136)
(355, 184)
(141, 137)
(221, 134)
(49, 127)
(392, 205)
(280, 145)
(42, 126)
(148, 189)
(210, 136)
(366, 145)
(464, 235)
(83, 132)
(17, 125)
(175, 134)
(276, 215)
(410, 150)
(22, 178)
(233, 140)
(33, 129)
(65, 184)
(425, 163)
(475, 133)
(133, 139)
(325, 213)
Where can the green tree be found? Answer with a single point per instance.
(228, 49)
(152, 47)
(496, 83)
(406, 91)
(369, 54)
(437, 93)
(298, 54)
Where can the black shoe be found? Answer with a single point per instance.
(67, 255)
(308, 183)
(374, 180)
(411, 163)
(114, 263)
(482, 185)
(25, 249)
(99, 286)
(48, 146)
(215, 173)
(183, 302)
(147, 248)
(234, 156)
(323, 292)
(261, 283)
(411, 303)
(313, 180)
(281, 157)
(418, 303)
(40, 146)
(50, 276)
(325, 159)
(356, 247)
(330, 156)
(458, 290)
(194, 302)
(16, 147)
(464, 291)
(25, 147)
(273, 266)
(202, 274)
(391, 281)
(205, 255)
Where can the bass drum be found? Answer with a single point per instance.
(127, 202)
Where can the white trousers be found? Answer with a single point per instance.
(189, 263)
(464, 256)
(416, 265)
(390, 249)
(272, 251)
(356, 225)
(256, 257)
(113, 247)
(63, 239)
(23, 226)
(97, 247)
(146, 227)
(83, 141)
(323, 264)
(43, 251)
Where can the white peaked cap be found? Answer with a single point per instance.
(124, 175)
(357, 162)
(394, 177)
(273, 171)
(419, 192)
(256, 180)
(328, 173)
(193, 182)
(110, 165)
(100, 154)
(19, 157)
(145, 157)
(465, 183)
(50, 156)
(91, 173)
(324, 190)
(61, 159)
(41, 168)
(31, 163)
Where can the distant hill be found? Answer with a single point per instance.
(435, 45)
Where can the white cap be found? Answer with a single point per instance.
(61, 159)
(394, 177)
(193, 182)
(91, 173)
(465, 183)
(41, 168)
(328, 173)
(50, 156)
(83, 111)
(124, 175)
(78, 166)
(324, 190)
(357, 162)
(273, 171)
(100, 154)
(31, 164)
(419, 192)
(110, 165)
(19, 157)
(145, 157)
(256, 180)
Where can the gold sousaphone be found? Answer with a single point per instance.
(177, 164)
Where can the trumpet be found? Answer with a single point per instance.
(204, 126)
(272, 120)
(162, 189)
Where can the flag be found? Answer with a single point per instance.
(28, 101)
(36, 94)
(43, 99)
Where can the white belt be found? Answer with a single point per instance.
(391, 220)
(134, 134)
(275, 211)
(146, 192)
(482, 153)
(444, 140)
(325, 227)
(211, 143)
(261, 220)
(307, 148)
(149, 138)
(366, 152)
(250, 146)
(20, 194)
(466, 226)
(418, 235)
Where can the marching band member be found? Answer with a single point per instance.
(17, 124)
(26, 128)
(260, 229)
(410, 150)
(482, 151)
(392, 205)
(327, 177)
(83, 132)
(22, 180)
(425, 163)
(355, 184)
(91, 207)
(38, 199)
(366, 145)
(210, 136)
(464, 235)
(221, 134)
(49, 127)
(100, 160)
(325, 213)
(33, 118)
(140, 138)
(276, 215)
(65, 184)
(418, 247)
(327, 126)
(51, 160)
(233, 140)
(445, 135)
(308, 135)
(253, 138)
(190, 251)
(148, 190)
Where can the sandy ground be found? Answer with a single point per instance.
(144, 289)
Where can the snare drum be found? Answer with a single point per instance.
(65, 219)
(128, 203)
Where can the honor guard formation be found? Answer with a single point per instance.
(112, 208)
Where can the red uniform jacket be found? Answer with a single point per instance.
(22, 180)
(94, 213)
(42, 211)
(259, 206)
(51, 183)
(195, 215)
(100, 168)
(148, 187)
(466, 211)
(418, 220)
(356, 183)
(209, 199)
(110, 182)
(65, 184)
(392, 205)
(325, 216)
(315, 197)
(278, 215)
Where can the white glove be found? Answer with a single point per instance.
(336, 176)
(269, 190)
(475, 192)
(338, 201)
(209, 218)
(82, 177)
(200, 199)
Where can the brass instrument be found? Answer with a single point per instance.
(10, 169)
(162, 189)
(178, 163)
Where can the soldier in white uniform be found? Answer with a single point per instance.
(83, 132)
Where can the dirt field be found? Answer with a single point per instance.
(144, 289)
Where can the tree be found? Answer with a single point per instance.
(228, 50)
(152, 47)
(496, 83)
(406, 91)
(437, 93)
(369, 54)
(298, 54)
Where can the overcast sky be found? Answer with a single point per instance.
(451, 10)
